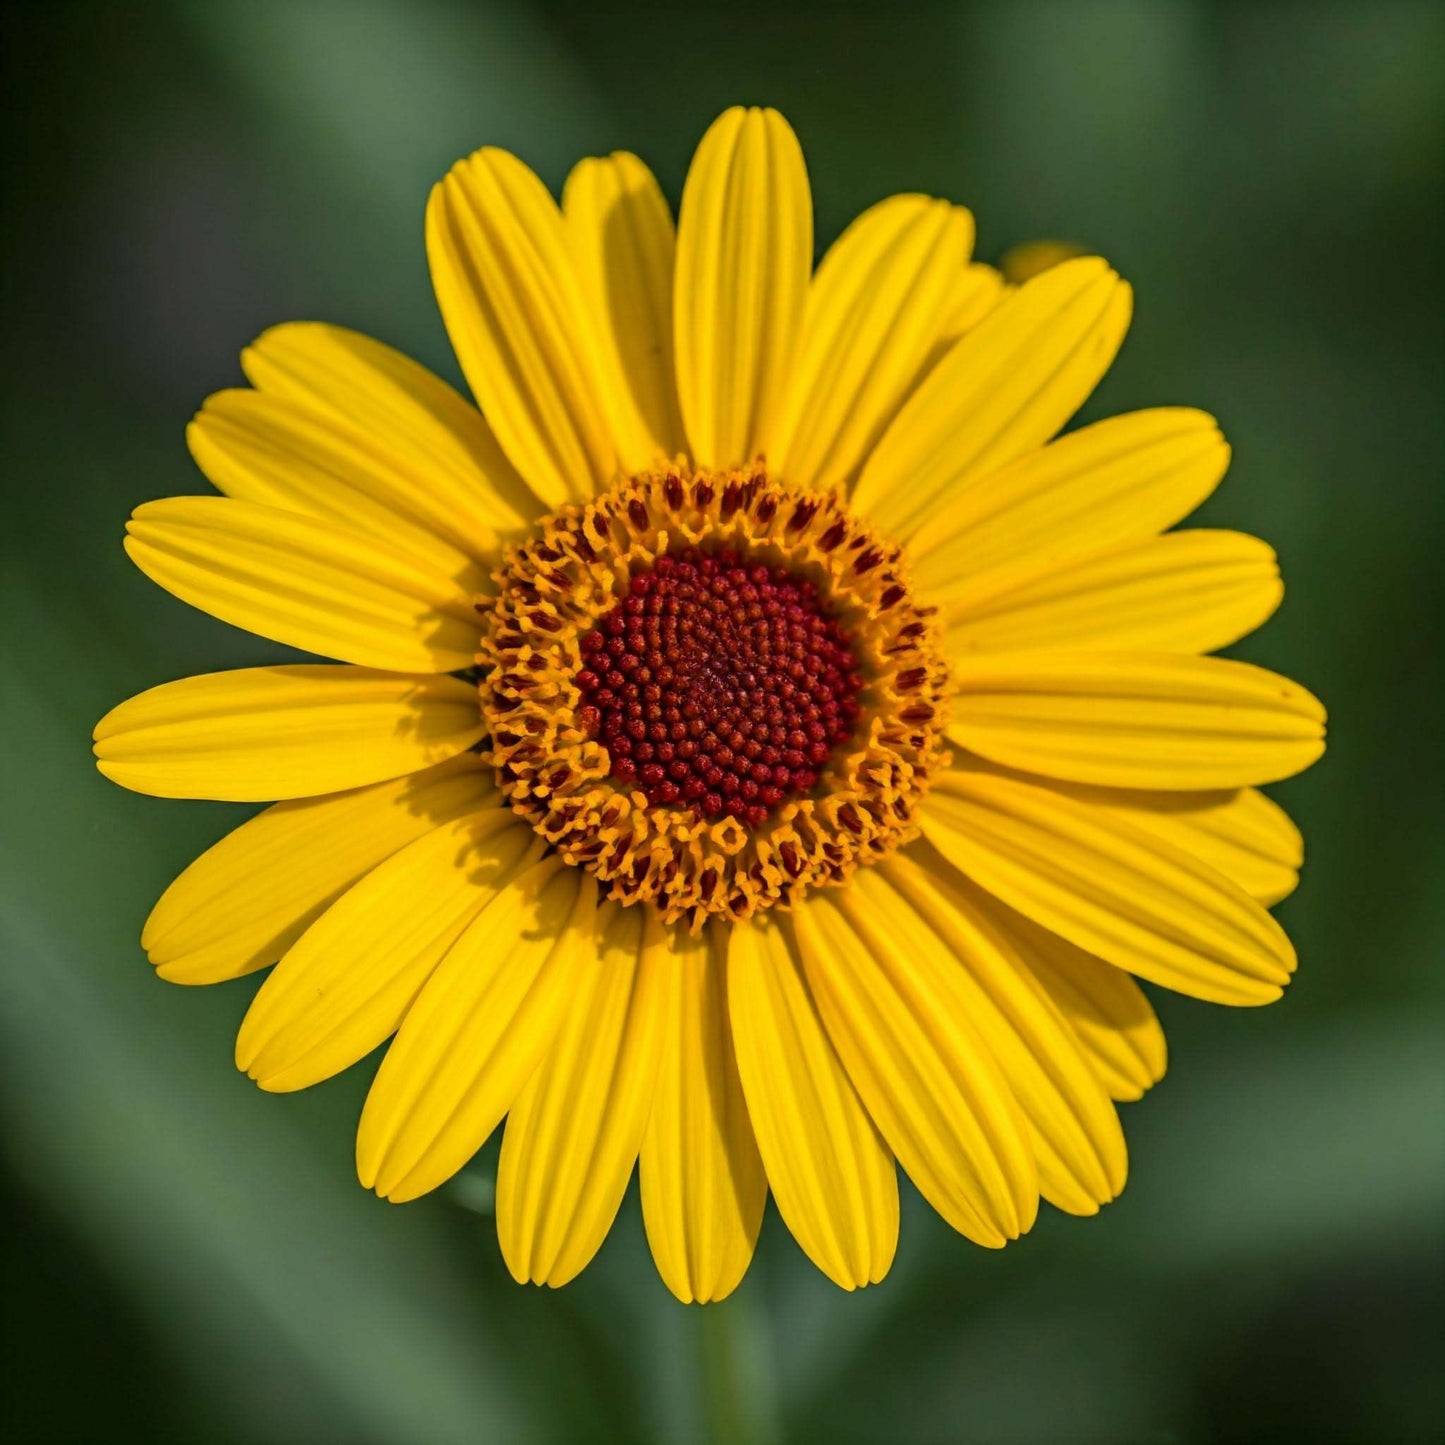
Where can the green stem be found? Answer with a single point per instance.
(735, 1387)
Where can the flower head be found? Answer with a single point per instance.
(757, 747)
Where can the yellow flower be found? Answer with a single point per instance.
(758, 751)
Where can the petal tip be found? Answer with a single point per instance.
(278, 1081)
(117, 773)
(1263, 997)
(1076, 271)
(151, 932)
(400, 1189)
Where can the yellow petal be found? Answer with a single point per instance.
(283, 453)
(829, 1169)
(623, 244)
(1121, 480)
(702, 1180)
(1074, 1130)
(315, 585)
(897, 1009)
(875, 311)
(1003, 390)
(283, 732)
(408, 414)
(349, 980)
(1237, 831)
(1113, 1022)
(516, 315)
(1183, 592)
(246, 900)
(1135, 719)
(744, 251)
(477, 1031)
(1245, 835)
(1109, 887)
(976, 290)
(573, 1135)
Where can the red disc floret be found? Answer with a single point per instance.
(719, 684)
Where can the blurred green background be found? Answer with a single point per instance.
(187, 1259)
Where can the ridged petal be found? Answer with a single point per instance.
(830, 1172)
(573, 1136)
(260, 733)
(622, 240)
(246, 900)
(702, 1180)
(1135, 719)
(349, 980)
(899, 1012)
(1237, 831)
(876, 310)
(280, 453)
(1074, 1130)
(413, 422)
(315, 585)
(477, 1031)
(976, 290)
(1110, 887)
(744, 252)
(1112, 1020)
(516, 314)
(1183, 592)
(1121, 480)
(1003, 390)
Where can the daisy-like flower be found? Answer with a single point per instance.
(758, 750)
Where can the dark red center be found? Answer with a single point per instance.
(720, 684)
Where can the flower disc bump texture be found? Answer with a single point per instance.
(719, 682)
(715, 693)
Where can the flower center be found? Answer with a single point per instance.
(719, 685)
(713, 692)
